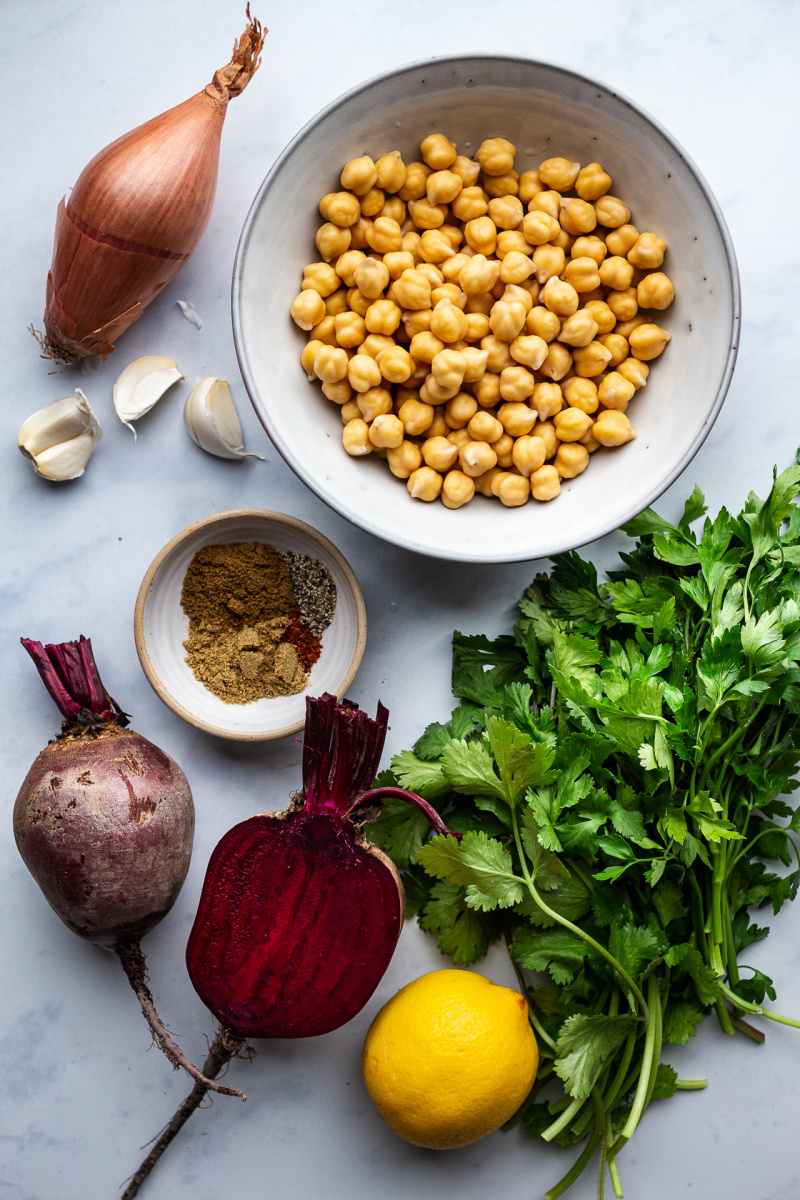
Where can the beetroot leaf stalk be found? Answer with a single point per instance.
(104, 822)
(299, 915)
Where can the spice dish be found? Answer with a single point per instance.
(543, 110)
(161, 626)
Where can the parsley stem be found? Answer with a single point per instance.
(613, 1169)
(581, 933)
(622, 1070)
(602, 1124)
(532, 1017)
(645, 1087)
(564, 1120)
(691, 1085)
(575, 1170)
(757, 1009)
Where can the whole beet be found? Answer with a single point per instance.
(104, 822)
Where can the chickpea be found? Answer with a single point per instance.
(330, 364)
(589, 247)
(616, 273)
(481, 304)
(384, 235)
(325, 331)
(591, 360)
(467, 170)
(424, 484)
(496, 156)
(615, 391)
(416, 416)
(416, 181)
(583, 274)
(453, 266)
(458, 438)
(357, 302)
(528, 455)
(435, 247)
(438, 152)
(548, 263)
(618, 345)
(619, 241)
(571, 459)
(497, 186)
(470, 203)
(426, 215)
(479, 275)
(546, 430)
(307, 358)
(424, 346)
(529, 350)
(396, 262)
(350, 329)
(374, 402)
(321, 278)
(346, 266)
(506, 212)
(592, 182)
(529, 186)
(363, 373)
(487, 390)
(308, 309)
(516, 383)
(547, 400)
(655, 291)
(383, 316)
(558, 362)
(395, 208)
(565, 241)
(516, 419)
(374, 343)
(390, 171)
(411, 241)
(481, 235)
(350, 412)
(404, 459)
(358, 239)
(547, 202)
(449, 368)
(545, 483)
(611, 212)
(634, 371)
(624, 305)
(431, 272)
(580, 393)
(648, 341)
(476, 458)
(647, 251)
(359, 175)
(577, 217)
(443, 186)
(515, 267)
(512, 241)
(438, 426)
(543, 323)
(339, 393)
(476, 360)
(336, 303)
(355, 438)
(340, 208)
(504, 448)
(498, 354)
(396, 364)
(539, 228)
(558, 173)
(589, 441)
(372, 203)
(448, 322)
(457, 489)
(386, 431)
(434, 393)
(483, 427)
(571, 424)
(332, 240)
(612, 428)
(483, 483)
(459, 411)
(412, 290)
(602, 315)
(579, 329)
(626, 328)
(371, 277)
(439, 453)
(511, 490)
(560, 297)
(507, 319)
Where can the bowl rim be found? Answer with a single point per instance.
(362, 519)
(144, 590)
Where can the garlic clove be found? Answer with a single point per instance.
(212, 421)
(141, 385)
(59, 438)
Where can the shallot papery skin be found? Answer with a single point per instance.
(299, 915)
(137, 213)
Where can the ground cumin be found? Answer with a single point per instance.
(239, 598)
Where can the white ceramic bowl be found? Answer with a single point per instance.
(545, 111)
(161, 627)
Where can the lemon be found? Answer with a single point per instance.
(449, 1059)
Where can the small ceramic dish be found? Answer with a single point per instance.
(544, 110)
(161, 627)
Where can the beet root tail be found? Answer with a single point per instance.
(131, 955)
(226, 1045)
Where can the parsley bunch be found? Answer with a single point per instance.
(615, 769)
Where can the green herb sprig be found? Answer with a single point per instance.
(616, 768)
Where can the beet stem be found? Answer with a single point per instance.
(70, 674)
(396, 793)
(131, 956)
(226, 1045)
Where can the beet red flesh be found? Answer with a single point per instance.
(104, 822)
(296, 925)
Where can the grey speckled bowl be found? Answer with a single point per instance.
(544, 110)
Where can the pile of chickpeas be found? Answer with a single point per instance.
(483, 331)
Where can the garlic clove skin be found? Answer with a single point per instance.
(59, 438)
(141, 385)
(212, 421)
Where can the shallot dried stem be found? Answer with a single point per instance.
(226, 1045)
(131, 956)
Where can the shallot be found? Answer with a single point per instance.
(104, 821)
(299, 915)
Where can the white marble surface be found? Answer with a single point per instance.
(81, 1091)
